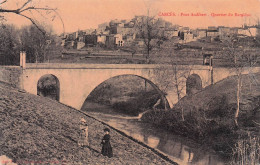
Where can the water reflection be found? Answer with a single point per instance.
(177, 148)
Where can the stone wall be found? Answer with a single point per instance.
(11, 75)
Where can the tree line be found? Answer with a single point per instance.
(37, 40)
(39, 47)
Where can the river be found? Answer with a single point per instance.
(180, 149)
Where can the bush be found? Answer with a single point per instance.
(246, 150)
(156, 117)
(197, 124)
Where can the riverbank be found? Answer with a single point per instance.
(178, 148)
(209, 117)
(37, 129)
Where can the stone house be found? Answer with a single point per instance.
(248, 31)
(101, 39)
(201, 33)
(223, 32)
(110, 41)
(119, 40)
(90, 39)
(212, 32)
(80, 44)
(169, 33)
(234, 30)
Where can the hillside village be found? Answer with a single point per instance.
(125, 33)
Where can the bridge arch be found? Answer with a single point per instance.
(193, 84)
(153, 85)
(48, 85)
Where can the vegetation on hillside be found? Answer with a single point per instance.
(209, 115)
(39, 47)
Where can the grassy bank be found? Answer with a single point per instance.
(37, 129)
(209, 115)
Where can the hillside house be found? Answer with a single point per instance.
(184, 29)
(122, 30)
(63, 41)
(234, 30)
(248, 31)
(186, 36)
(80, 44)
(169, 33)
(212, 32)
(74, 35)
(223, 32)
(119, 40)
(201, 33)
(90, 39)
(101, 39)
(110, 41)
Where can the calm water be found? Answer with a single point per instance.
(179, 149)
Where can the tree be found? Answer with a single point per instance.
(150, 32)
(174, 77)
(26, 10)
(9, 45)
(38, 46)
(239, 52)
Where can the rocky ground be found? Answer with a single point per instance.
(36, 129)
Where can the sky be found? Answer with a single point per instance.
(85, 14)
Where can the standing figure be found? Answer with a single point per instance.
(106, 146)
(83, 136)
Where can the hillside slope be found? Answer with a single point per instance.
(35, 129)
(209, 115)
(222, 97)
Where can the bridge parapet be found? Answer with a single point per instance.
(109, 66)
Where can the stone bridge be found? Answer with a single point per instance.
(77, 81)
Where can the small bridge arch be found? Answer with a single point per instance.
(48, 85)
(193, 84)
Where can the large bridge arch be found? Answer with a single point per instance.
(160, 92)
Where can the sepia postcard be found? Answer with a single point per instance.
(129, 82)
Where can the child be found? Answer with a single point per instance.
(106, 146)
(83, 137)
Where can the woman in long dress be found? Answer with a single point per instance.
(106, 146)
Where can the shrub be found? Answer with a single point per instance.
(246, 150)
